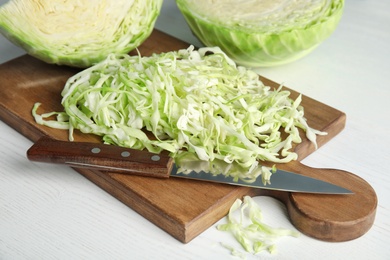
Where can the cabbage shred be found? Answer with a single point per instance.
(250, 230)
(187, 100)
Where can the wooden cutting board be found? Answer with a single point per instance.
(185, 208)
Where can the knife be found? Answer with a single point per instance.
(112, 158)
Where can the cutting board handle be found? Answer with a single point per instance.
(332, 218)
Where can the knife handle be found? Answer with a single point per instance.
(103, 157)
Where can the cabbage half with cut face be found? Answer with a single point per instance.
(78, 32)
(262, 33)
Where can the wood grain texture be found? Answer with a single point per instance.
(186, 208)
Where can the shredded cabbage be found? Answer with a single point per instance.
(255, 236)
(188, 100)
(188, 163)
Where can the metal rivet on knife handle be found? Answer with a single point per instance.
(125, 154)
(95, 150)
(155, 158)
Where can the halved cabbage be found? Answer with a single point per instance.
(262, 33)
(78, 33)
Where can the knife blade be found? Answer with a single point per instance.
(111, 158)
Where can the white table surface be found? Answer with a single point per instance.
(52, 212)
